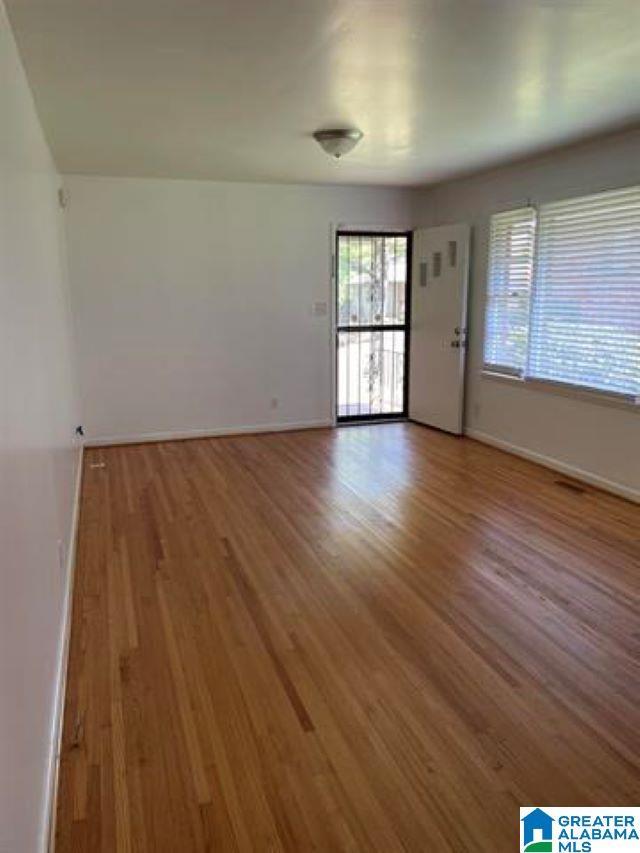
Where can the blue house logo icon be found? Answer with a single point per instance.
(537, 832)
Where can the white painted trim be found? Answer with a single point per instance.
(48, 826)
(557, 465)
(578, 392)
(375, 227)
(211, 432)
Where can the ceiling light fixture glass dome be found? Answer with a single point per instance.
(338, 141)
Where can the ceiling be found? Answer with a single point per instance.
(233, 89)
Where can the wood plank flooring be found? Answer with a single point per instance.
(373, 638)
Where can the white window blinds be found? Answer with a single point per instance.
(511, 248)
(585, 317)
(563, 304)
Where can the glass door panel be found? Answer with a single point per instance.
(372, 312)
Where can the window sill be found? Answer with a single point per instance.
(589, 395)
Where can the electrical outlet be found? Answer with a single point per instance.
(275, 402)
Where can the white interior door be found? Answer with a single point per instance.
(439, 326)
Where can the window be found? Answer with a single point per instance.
(510, 267)
(563, 306)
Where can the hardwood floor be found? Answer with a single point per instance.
(374, 638)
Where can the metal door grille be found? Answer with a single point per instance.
(373, 290)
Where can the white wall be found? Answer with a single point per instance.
(37, 460)
(598, 439)
(192, 300)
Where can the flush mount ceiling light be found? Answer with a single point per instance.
(338, 142)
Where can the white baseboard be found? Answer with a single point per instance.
(48, 833)
(557, 465)
(211, 432)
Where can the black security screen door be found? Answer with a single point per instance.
(373, 321)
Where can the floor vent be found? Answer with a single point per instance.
(573, 487)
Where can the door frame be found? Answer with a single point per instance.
(406, 328)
